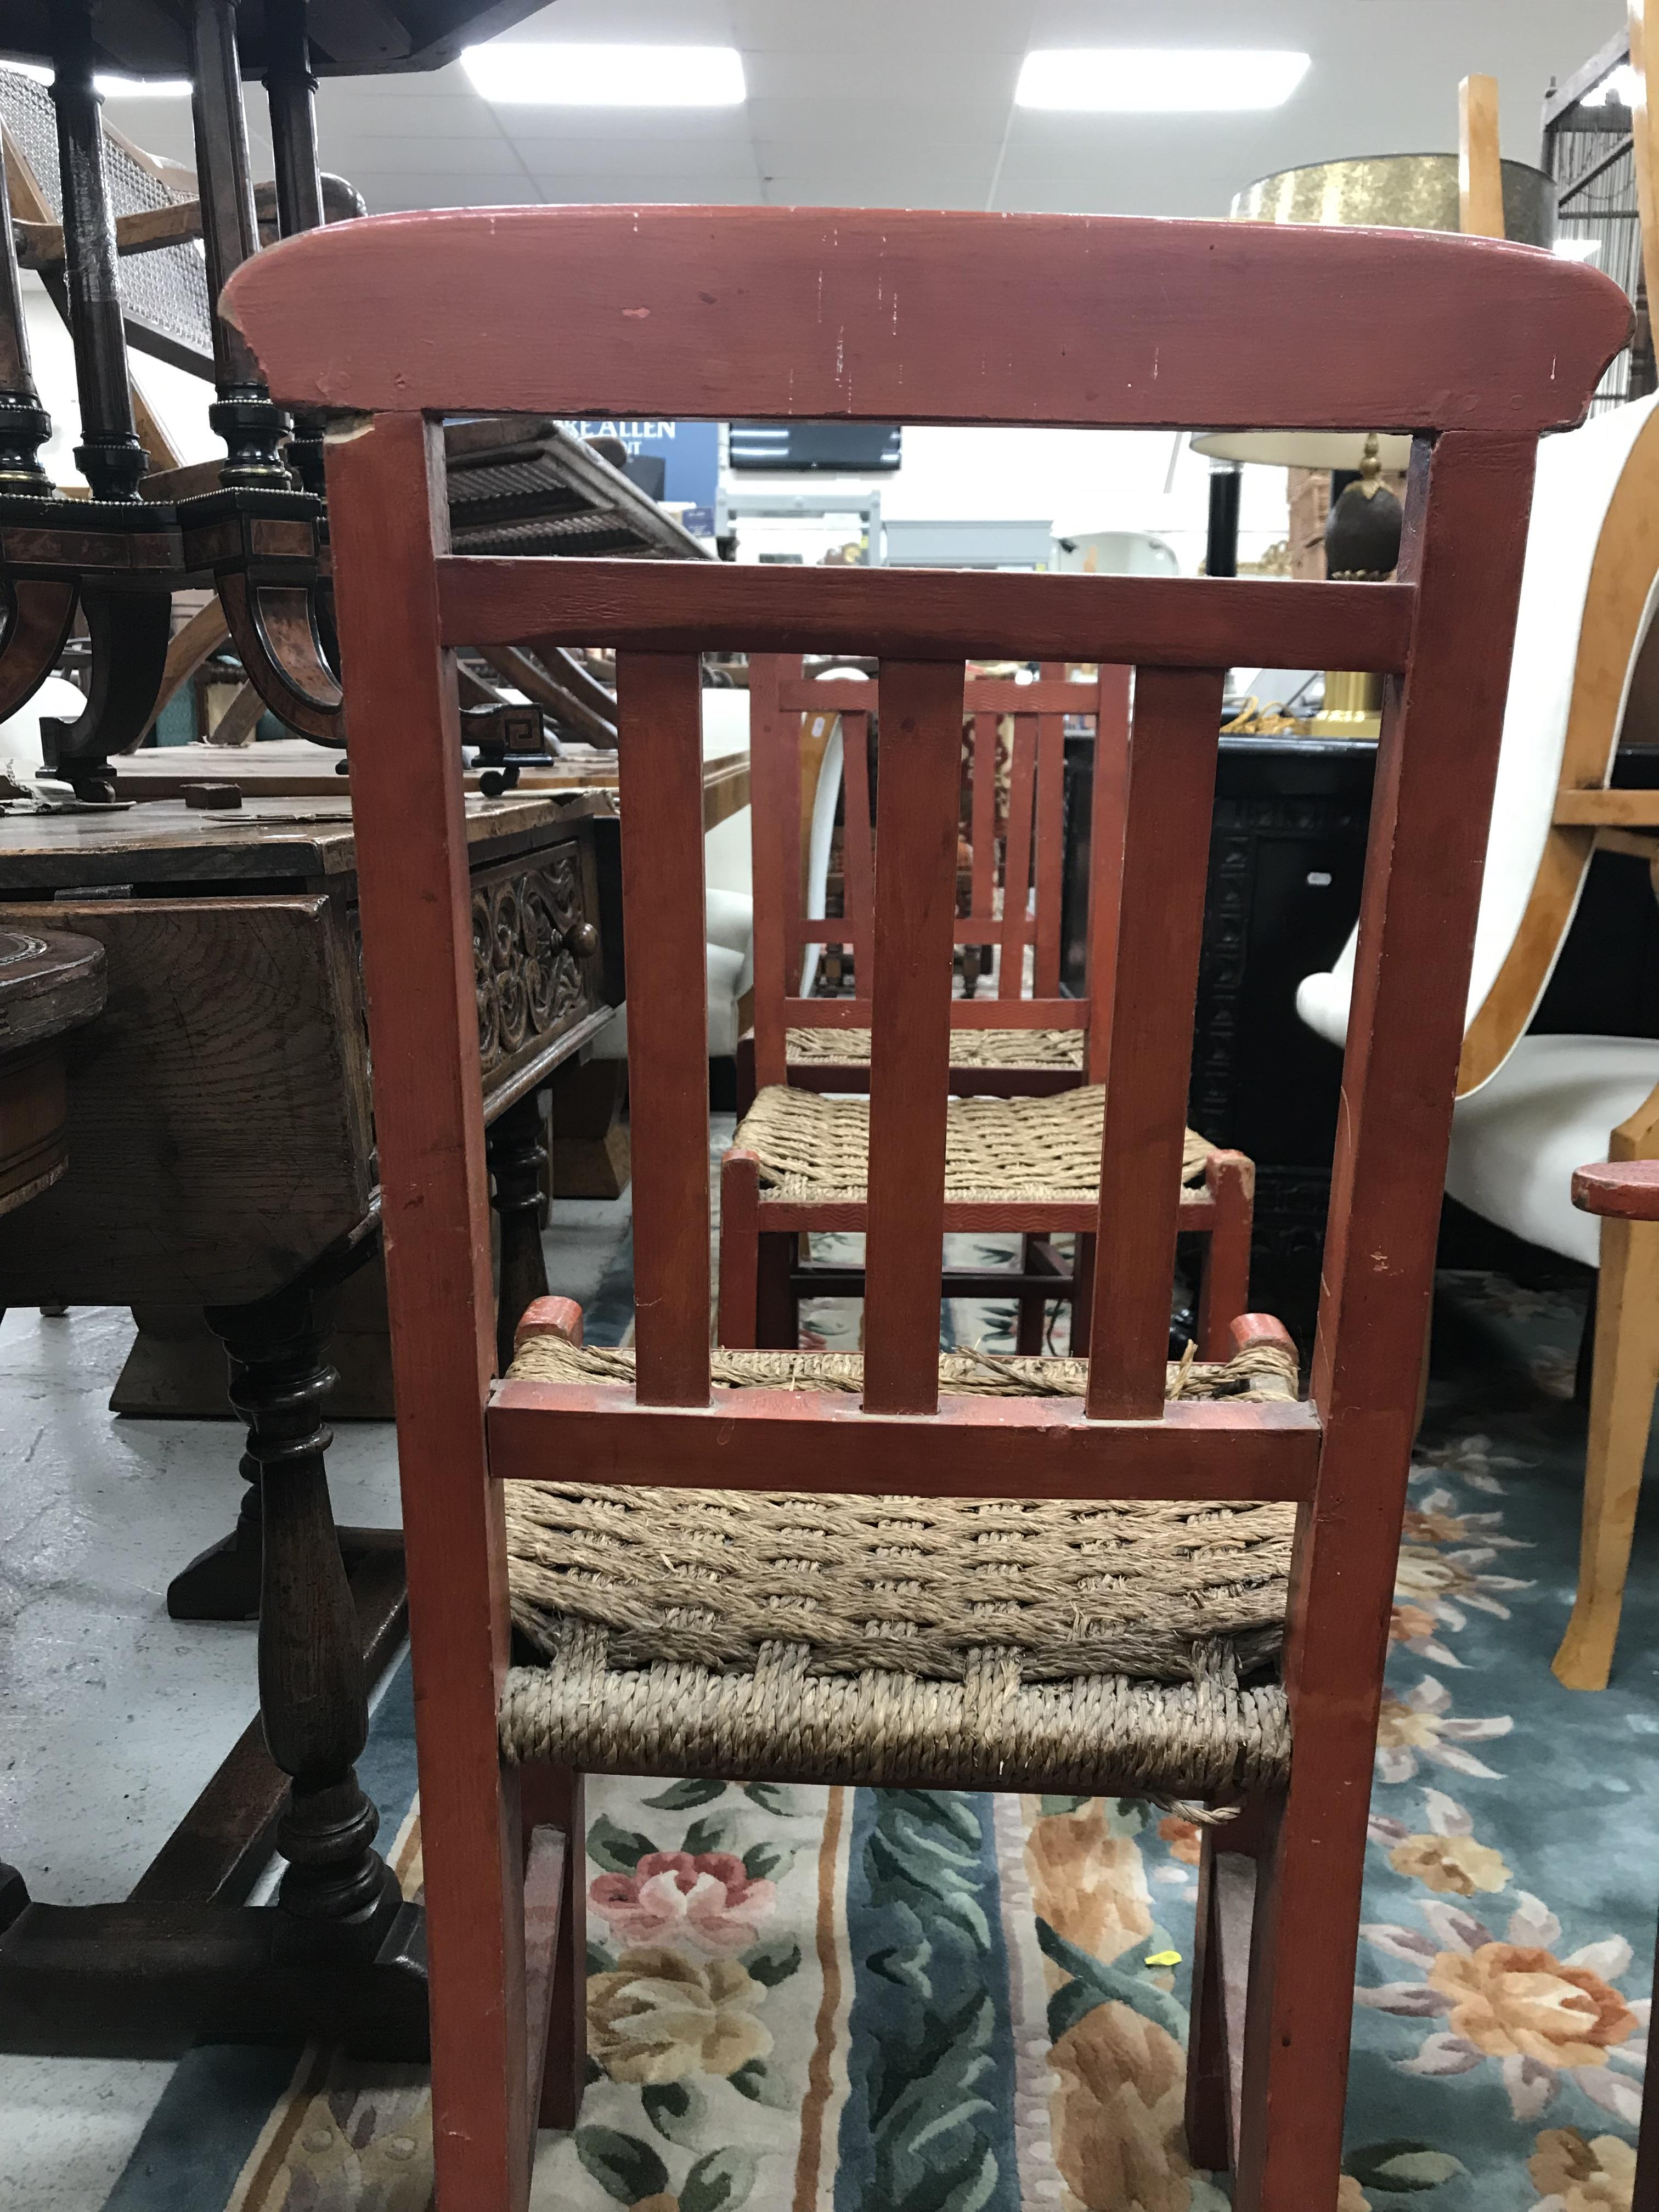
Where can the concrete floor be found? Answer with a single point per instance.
(112, 1716)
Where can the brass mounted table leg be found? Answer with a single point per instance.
(130, 626)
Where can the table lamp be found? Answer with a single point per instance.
(1470, 191)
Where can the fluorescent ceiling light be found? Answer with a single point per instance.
(1158, 80)
(115, 88)
(143, 88)
(555, 76)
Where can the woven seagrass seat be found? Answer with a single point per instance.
(911, 1643)
(1002, 1048)
(996, 1150)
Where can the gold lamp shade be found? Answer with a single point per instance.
(1396, 192)
(1379, 192)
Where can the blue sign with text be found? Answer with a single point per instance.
(690, 452)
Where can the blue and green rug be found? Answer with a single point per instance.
(813, 2000)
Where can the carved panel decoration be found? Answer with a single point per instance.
(538, 968)
(533, 948)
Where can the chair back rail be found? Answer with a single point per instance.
(923, 613)
(775, 313)
(1229, 1448)
(770, 312)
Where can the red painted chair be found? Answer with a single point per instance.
(769, 312)
(1023, 1155)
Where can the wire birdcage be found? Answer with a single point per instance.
(1589, 154)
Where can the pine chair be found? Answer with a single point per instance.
(1023, 1142)
(1529, 1108)
(709, 313)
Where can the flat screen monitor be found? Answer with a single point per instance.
(849, 448)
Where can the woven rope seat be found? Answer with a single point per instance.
(1106, 1647)
(997, 1151)
(817, 1048)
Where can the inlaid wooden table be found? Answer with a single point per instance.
(221, 1157)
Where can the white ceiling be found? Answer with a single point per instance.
(909, 103)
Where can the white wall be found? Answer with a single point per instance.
(180, 402)
(1076, 480)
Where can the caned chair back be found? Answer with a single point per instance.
(1013, 817)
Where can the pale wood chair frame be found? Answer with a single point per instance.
(710, 312)
(1591, 817)
(762, 1275)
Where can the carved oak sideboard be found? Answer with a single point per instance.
(221, 1157)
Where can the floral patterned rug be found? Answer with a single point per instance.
(809, 2000)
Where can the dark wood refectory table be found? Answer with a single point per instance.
(221, 1152)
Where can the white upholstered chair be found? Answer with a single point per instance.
(1532, 1109)
(729, 903)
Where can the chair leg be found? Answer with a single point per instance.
(740, 1250)
(516, 1154)
(554, 1796)
(1209, 2090)
(777, 1310)
(1627, 1367)
(1033, 1305)
(1225, 1292)
(746, 1085)
(1228, 1884)
(1298, 2007)
(1083, 1293)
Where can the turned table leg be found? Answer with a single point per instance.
(313, 1695)
(516, 1157)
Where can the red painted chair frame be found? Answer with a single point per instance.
(712, 313)
(779, 695)
(762, 1278)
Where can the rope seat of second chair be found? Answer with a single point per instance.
(1045, 1049)
(1101, 1646)
(997, 1151)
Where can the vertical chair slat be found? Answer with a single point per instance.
(1051, 833)
(792, 844)
(773, 797)
(982, 811)
(858, 875)
(918, 798)
(1109, 798)
(660, 753)
(1017, 858)
(1166, 846)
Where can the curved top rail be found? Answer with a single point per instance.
(1078, 321)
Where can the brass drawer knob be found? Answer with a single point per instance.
(583, 939)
